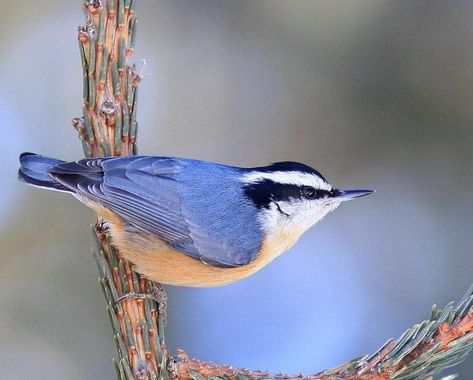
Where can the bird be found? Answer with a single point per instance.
(193, 223)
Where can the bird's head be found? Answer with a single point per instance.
(292, 196)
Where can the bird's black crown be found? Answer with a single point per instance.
(288, 166)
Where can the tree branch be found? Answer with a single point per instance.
(442, 341)
(136, 306)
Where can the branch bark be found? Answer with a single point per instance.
(137, 306)
(443, 341)
(108, 127)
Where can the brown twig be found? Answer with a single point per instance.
(426, 348)
(108, 127)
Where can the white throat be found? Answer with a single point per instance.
(284, 222)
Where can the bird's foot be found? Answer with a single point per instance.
(157, 294)
(102, 227)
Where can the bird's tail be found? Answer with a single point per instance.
(34, 171)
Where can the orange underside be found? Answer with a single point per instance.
(157, 261)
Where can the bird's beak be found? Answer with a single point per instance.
(348, 195)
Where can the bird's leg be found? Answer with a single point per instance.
(161, 297)
(157, 294)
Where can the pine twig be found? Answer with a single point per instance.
(136, 306)
(108, 125)
(442, 341)
(138, 321)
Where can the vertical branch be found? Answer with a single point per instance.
(108, 127)
(137, 311)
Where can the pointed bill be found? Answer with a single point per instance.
(348, 195)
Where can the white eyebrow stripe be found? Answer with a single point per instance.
(287, 178)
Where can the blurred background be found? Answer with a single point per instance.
(374, 94)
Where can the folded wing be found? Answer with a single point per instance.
(147, 193)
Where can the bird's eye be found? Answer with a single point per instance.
(309, 192)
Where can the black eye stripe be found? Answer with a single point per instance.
(264, 192)
(310, 192)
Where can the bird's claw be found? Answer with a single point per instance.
(157, 294)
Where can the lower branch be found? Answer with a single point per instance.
(443, 341)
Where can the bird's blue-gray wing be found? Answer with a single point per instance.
(128, 187)
(148, 193)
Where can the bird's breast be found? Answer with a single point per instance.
(159, 262)
(155, 259)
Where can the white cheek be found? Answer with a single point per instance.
(301, 215)
(296, 216)
(269, 218)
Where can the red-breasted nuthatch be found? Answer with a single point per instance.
(189, 222)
